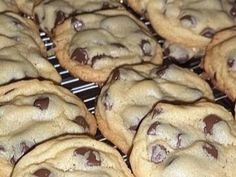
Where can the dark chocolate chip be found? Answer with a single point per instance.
(210, 149)
(159, 154)
(208, 32)
(43, 172)
(210, 121)
(233, 11)
(152, 129)
(80, 120)
(80, 55)
(91, 159)
(230, 62)
(60, 17)
(188, 20)
(146, 47)
(42, 103)
(166, 52)
(156, 111)
(77, 24)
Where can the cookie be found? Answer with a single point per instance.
(27, 6)
(22, 52)
(181, 54)
(220, 61)
(34, 111)
(8, 6)
(53, 12)
(91, 45)
(131, 91)
(72, 156)
(191, 23)
(191, 140)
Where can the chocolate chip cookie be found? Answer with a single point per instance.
(54, 12)
(131, 91)
(220, 61)
(78, 156)
(91, 45)
(22, 53)
(34, 111)
(27, 6)
(191, 23)
(191, 140)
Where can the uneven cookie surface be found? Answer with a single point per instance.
(22, 53)
(50, 13)
(8, 5)
(131, 92)
(91, 45)
(220, 61)
(192, 23)
(27, 6)
(195, 140)
(72, 156)
(34, 111)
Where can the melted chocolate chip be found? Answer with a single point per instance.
(208, 32)
(233, 11)
(80, 120)
(77, 24)
(91, 158)
(146, 47)
(210, 149)
(210, 121)
(152, 129)
(230, 62)
(42, 103)
(166, 52)
(60, 17)
(188, 21)
(159, 154)
(43, 172)
(156, 111)
(80, 55)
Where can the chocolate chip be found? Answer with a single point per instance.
(92, 159)
(230, 62)
(60, 17)
(233, 11)
(166, 52)
(80, 55)
(146, 47)
(208, 32)
(210, 149)
(43, 172)
(152, 129)
(188, 21)
(42, 103)
(159, 154)
(106, 100)
(77, 24)
(156, 111)
(179, 140)
(210, 121)
(80, 120)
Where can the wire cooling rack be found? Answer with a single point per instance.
(88, 91)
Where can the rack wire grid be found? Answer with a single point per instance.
(88, 91)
